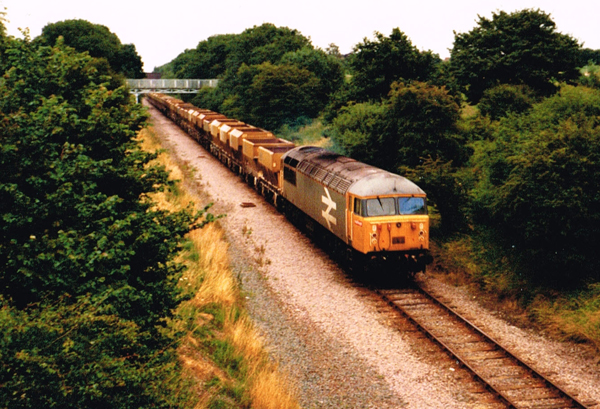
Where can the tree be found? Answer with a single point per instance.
(99, 41)
(72, 216)
(414, 133)
(375, 65)
(358, 129)
(423, 121)
(272, 95)
(207, 60)
(3, 38)
(539, 185)
(327, 68)
(270, 76)
(520, 48)
(79, 354)
(87, 271)
(264, 43)
(129, 62)
(418, 121)
(589, 56)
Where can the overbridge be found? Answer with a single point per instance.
(170, 86)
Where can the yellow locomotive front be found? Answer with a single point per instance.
(387, 218)
(389, 224)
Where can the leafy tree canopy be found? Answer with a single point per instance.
(417, 121)
(539, 183)
(589, 56)
(87, 276)
(264, 43)
(376, 64)
(502, 100)
(72, 218)
(326, 67)
(270, 95)
(357, 130)
(270, 76)
(520, 48)
(208, 60)
(99, 41)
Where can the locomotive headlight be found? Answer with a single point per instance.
(398, 225)
(373, 239)
(413, 226)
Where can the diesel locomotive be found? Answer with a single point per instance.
(371, 215)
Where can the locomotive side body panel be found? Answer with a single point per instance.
(322, 204)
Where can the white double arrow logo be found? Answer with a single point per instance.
(331, 205)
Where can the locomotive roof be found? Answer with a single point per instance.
(344, 174)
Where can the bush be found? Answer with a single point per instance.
(87, 276)
(540, 184)
(502, 100)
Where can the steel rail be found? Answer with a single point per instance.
(510, 402)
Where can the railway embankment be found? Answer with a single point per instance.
(326, 334)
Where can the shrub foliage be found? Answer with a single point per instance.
(539, 184)
(86, 271)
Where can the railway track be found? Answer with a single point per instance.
(512, 381)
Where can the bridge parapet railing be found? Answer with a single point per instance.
(170, 84)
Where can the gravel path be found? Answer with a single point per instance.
(320, 327)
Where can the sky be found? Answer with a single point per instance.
(162, 30)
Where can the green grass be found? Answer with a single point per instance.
(480, 262)
(309, 134)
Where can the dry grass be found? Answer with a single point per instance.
(214, 291)
(575, 317)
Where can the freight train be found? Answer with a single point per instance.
(370, 215)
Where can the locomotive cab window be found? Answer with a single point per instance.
(389, 206)
(358, 207)
(289, 175)
(381, 206)
(412, 205)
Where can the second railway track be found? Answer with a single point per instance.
(512, 381)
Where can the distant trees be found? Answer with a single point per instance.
(270, 76)
(589, 56)
(520, 48)
(270, 95)
(418, 121)
(99, 41)
(264, 43)
(504, 99)
(87, 276)
(208, 60)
